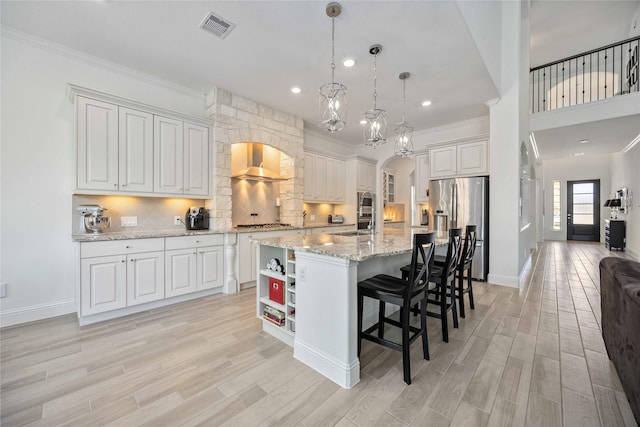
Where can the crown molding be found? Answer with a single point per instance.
(454, 125)
(324, 136)
(632, 144)
(20, 36)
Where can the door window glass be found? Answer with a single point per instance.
(583, 204)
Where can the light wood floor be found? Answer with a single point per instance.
(530, 356)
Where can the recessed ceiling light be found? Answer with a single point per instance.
(426, 103)
(363, 122)
(348, 62)
(583, 141)
(296, 89)
(576, 154)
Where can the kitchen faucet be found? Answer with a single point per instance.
(372, 222)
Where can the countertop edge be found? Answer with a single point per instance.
(149, 234)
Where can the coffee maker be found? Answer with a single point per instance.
(197, 218)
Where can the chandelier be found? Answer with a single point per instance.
(375, 130)
(404, 132)
(333, 96)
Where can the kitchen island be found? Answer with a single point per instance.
(307, 292)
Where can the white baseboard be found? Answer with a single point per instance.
(503, 280)
(346, 376)
(36, 312)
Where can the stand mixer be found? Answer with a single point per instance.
(91, 219)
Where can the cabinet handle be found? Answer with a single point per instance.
(194, 253)
(127, 247)
(197, 241)
(123, 185)
(122, 261)
(132, 260)
(115, 185)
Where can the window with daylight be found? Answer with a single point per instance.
(556, 205)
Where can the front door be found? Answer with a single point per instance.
(583, 210)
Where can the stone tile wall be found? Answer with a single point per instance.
(238, 119)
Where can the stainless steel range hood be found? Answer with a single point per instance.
(255, 170)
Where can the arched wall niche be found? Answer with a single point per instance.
(241, 120)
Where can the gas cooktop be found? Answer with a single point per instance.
(266, 225)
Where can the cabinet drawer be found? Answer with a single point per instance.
(119, 247)
(185, 242)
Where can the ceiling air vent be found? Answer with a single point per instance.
(217, 25)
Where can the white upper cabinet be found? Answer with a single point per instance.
(135, 150)
(463, 159)
(324, 179)
(97, 144)
(472, 158)
(366, 176)
(196, 160)
(422, 178)
(336, 179)
(168, 148)
(127, 147)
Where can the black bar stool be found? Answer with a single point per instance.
(464, 264)
(443, 277)
(403, 293)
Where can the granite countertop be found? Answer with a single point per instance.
(285, 227)
(147, 234)
(355, 248)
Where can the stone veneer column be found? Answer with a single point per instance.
(237, 119)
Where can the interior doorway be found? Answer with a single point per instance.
(583, 210)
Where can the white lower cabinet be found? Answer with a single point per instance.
(193, 263)
(180, 272)
(120, 273)
(145, 277)
(104, 284)
(209, 265)
(117, 274)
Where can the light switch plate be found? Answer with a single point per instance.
(128, 221)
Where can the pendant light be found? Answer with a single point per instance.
(333, 96)
(375, 130)
(404, 132)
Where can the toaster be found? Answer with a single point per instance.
(336, 219)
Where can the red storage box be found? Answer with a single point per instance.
(276, 290)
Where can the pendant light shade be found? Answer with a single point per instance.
(333, 96)
(375, 130)
(404, 132)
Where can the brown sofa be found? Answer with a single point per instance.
(620, 302)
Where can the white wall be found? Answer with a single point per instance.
(574, 169)
(38, 259)
(629, 176)
(483, 21)
(509, 250)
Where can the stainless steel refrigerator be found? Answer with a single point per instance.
(458, 202)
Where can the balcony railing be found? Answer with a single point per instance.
(590, 76)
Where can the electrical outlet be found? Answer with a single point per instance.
(3, 290)
(128, 221)
(177, 220)
(312, 217)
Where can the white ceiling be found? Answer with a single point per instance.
(280, 44)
